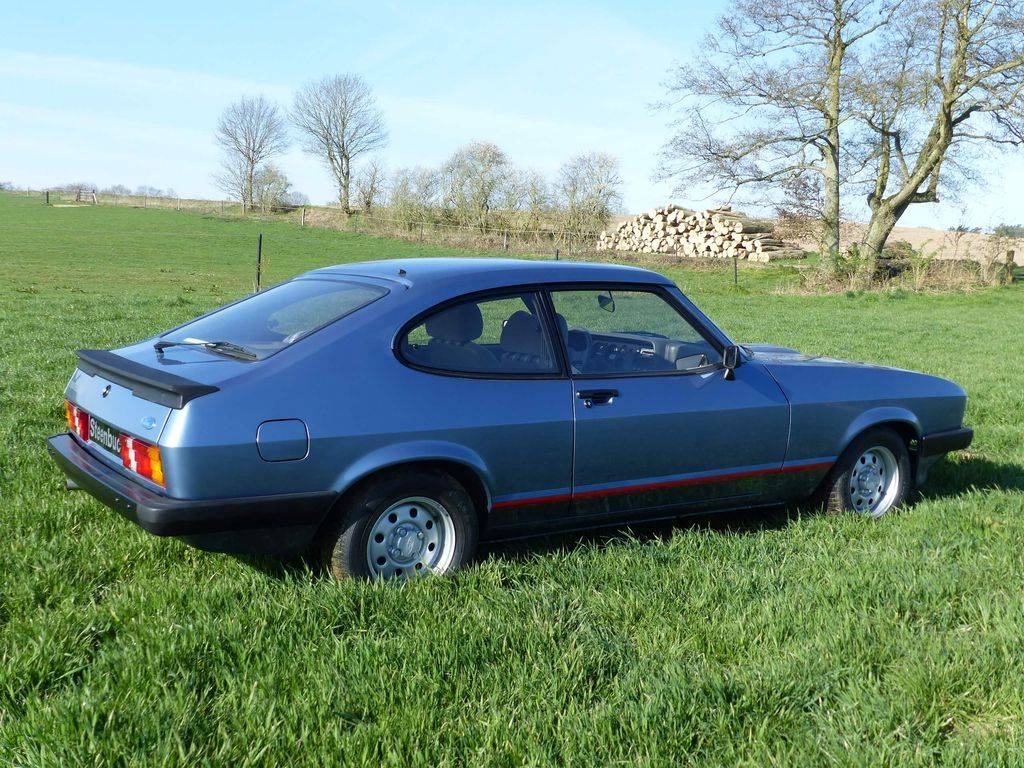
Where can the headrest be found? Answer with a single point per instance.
(522, 334)
(563, 326)
(461, 323)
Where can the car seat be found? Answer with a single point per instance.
(453, 332)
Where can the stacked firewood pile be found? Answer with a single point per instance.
(716, 233)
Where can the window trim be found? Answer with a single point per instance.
(663, 292)
(490, 294)
(545, 289)
(307, 278)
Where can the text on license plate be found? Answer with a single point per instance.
(104, 435)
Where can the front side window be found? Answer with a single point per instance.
(498, 336)
(609, 332)
(267, 322)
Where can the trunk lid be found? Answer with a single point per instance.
(112, 408)
(134, 390)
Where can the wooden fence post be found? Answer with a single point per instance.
(259, 260)
(302, 217)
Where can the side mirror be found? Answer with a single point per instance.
(606, 301)
(731, 360)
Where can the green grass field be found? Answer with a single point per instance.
(775, 640)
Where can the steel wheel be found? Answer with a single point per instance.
(412, 537)
(874, 481)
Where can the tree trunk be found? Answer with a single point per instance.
(830, 157)
(830, 212)
(249, 184)
(884, 217)
(343, 194)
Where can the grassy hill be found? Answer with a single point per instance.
(779, 640)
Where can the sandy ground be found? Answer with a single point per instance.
(954, 245)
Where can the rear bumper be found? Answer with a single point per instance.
(944, 442)
(279, 524)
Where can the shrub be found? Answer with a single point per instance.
(1009, 230)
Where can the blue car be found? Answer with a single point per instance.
(389, 415)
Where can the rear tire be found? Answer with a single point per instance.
(405, 524)
(872, 476)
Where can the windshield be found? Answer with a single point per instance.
(268, 322)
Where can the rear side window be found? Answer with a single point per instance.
(269, 321)
(497, 336)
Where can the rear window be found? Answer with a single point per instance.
(268, 322)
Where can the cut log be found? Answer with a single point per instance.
(713, 233)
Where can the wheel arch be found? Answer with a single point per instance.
(463, 465)
(900, 420)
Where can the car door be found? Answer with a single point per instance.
(657, 423)
(486, 374)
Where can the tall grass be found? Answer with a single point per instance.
(772, 639)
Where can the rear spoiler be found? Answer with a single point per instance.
(148, 383)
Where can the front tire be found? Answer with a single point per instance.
(872, 476)
(405, 524)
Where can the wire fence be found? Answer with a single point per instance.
(495, 236)
(502, 234)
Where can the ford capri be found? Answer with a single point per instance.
(388, 416)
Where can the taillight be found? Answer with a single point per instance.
(78, 420)
(137, 455)
(142, 458)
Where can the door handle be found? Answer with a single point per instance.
(591, 397)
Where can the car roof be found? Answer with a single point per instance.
(480, 273)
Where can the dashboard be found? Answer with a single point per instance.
(629, 352)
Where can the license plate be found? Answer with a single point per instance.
(105, 436)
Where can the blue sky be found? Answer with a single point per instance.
(130, 92)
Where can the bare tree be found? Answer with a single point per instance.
(538, 203)
(340, 121)
(475, 177)
(413, 194)
(250, 131)
(763, 103)
(234, 181)
(943, 85)
(369, 183)
(271, 187)
(514, 193)
(588, 191)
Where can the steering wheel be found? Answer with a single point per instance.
(578, 343)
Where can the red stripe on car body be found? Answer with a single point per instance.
(641, 488)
